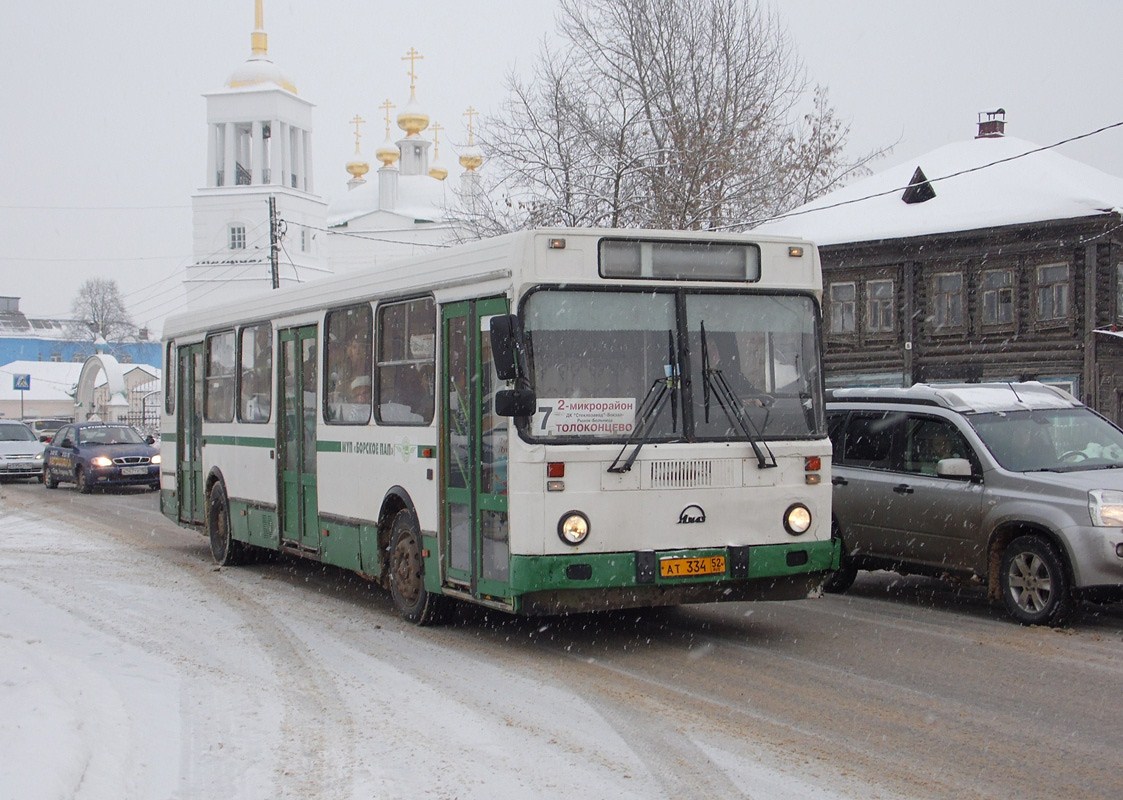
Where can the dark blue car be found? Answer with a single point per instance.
(93, 454)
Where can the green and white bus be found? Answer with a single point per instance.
(544, 422)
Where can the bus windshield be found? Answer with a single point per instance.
(713, 367)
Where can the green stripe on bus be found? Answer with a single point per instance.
(609, 570)
(242, 441)
(329, 447)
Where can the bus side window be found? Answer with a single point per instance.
(406, 352)
(255, 391)
(347, 380)
(219, 401)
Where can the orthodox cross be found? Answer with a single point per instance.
(412, 56)
(387, 106)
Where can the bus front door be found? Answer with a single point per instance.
(189, 441)
(296, 439)
(474, 529)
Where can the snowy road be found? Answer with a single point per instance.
(130, 667)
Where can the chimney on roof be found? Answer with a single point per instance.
(993, 126)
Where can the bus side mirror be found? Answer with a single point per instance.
(515, 403)
(504, 346)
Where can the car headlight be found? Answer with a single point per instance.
(797, 519)
(156, 459)
(1106, 508)
(101, 461)
(573, 527)
(39, 456)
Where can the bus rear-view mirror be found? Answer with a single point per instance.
(504, 346)
(515, 403)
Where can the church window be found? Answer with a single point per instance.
(237, 237)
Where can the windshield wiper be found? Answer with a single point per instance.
(661, 390)
(715, 384)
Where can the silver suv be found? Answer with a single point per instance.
(1018, 485)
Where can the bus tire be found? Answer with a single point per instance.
(227, 551)
(406, 571)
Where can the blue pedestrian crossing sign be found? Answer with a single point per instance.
(21, 382)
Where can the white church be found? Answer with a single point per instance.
(259, 221)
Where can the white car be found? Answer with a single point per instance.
(21, 452)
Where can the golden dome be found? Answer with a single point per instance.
(358, 169)
(471, 157)
(437, 170)
(388, 153)
(259, 68)
(357, 166)
(412, 119)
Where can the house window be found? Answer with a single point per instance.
(843, 297)
(947, 299)
(305, 240)
(998, 297)
(879, 306)
(1052, 292)
(237, 235)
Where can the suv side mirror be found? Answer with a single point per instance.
(953, 468)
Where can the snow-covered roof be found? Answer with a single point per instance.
(420, 197)
(1041, 186)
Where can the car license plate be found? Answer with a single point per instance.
(134, 470)
(690, 567)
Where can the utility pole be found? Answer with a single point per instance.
(274, 242)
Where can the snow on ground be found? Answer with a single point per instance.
(141, 671)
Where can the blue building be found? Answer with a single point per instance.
(26, 339)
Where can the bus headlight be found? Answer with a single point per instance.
(573, 527)
(797, 519)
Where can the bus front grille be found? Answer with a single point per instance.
(691, 474)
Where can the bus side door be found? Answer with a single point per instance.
(296, 439)
(189, 442)
(474, 532)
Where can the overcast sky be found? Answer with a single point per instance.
(102, 136)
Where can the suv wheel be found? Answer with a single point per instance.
(1035, 586)
(843, 578)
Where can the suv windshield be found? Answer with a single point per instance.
(597, 356)
(1060, 440)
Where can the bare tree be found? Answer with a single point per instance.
(662, 113)
(99, 311)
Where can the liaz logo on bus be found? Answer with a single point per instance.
(692, 515)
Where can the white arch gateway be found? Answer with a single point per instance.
(87, 380)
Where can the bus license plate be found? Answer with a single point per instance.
(134, 470)
(689, 567)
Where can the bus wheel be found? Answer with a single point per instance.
(227, 551)
(407, 573)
